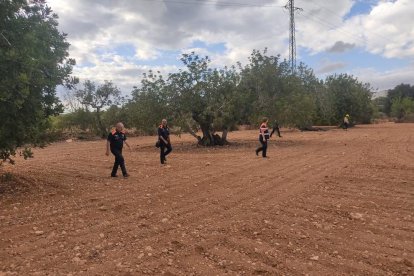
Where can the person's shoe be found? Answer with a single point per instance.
(257, 153)
(126, 175)
(113, 175)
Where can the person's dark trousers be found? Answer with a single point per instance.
(119, 161)
(263, 148)
(165, 150)
(345, 126)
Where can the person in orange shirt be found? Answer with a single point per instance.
(264, 135)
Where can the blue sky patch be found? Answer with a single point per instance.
(360, 7)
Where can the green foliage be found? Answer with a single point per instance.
(204, 97)
(34, 60)
(79, 119)
(400, 91)
(270, 89)
(113, 115)
(98, 98)
(199, 97)
(380, 104)
(349, 96)
(149, 104)
(401, 107)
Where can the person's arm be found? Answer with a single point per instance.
(108, 144)
(160, 136)
(126, 143)
(163, 139)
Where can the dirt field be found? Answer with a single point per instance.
(324, 203)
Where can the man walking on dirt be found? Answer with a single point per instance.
(275, 129)
(164, 140)
(264, 135)
(115, 143)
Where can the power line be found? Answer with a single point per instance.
(334, 27)
(342, 19)
(292, 40)
(213, 3)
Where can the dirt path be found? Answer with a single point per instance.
(328, 203)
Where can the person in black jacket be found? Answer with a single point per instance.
(115, 143)
(164, 140)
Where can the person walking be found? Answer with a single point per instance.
(346, 122)
(275, 129)
(264, 135)
(164, 140)
(115, 143)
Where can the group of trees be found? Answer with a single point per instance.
(399, 103)
(213, 101)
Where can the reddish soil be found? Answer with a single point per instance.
(324, 203)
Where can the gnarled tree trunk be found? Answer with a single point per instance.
(212, 139)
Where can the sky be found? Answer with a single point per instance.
(119, 40)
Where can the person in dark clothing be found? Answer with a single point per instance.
(115, 143)
(164, 140)
(264, 135)
(275, 129)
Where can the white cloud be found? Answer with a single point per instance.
(386, 30)
(385, 80)
(97, 27)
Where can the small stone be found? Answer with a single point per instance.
(408, 263)
(164, 220)
(102, 235)
(358, 216)
(140, 256)
(314, 258)
(208, 163)
(39, 233)
(78, 261)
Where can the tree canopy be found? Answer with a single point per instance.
(34, 61)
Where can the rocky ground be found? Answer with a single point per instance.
(324, 203)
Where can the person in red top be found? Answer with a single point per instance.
(264, 135)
